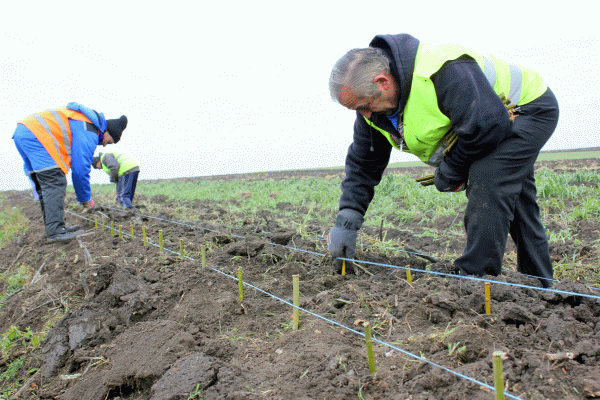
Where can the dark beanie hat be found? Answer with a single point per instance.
(95, 160)
(116, 127)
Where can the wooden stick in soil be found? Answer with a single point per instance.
(408, 274)
(488, 309)
(131, 229)
(296, 310)
(240, 283)
(160, 240)
(203, 251)
(112, 228)
(369, 344)
(95, 221)
(144, 235)
(498, 379)
(103, 222)
(343, 267)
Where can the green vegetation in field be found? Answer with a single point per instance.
(14, 335)
(12, 223)
(565, 198)
(15, 280)
(568, 155)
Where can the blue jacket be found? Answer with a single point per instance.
(82, 149)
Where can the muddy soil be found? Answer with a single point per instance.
(127, 321)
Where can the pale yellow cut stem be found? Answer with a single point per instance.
(203, 250)
(160, 240)
(296, 310)
(144, 235)
(488, 309)
(240, 283)
(369, 343)
(498, 379)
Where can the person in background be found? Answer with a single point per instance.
(480, 120)
(55, 141)
(123, 172)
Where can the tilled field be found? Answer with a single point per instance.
(127, 321)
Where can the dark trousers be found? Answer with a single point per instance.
(51, 185)
(503, 198)
(126, 189)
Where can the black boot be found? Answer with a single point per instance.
(65, 237)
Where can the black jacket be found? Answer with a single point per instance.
(464, 95)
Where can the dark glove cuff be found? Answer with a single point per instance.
(449, 175)
(349, 219)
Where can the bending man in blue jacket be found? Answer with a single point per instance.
(493, 116)
(55, 141)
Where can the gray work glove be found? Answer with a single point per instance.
(445, 184)
(342, 237)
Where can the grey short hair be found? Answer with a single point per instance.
(356, 70)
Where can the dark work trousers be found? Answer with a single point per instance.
(126, 189)
(51, 185)
(502, 198)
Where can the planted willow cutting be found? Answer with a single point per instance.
(296, 310)
(240, 283)
(369, 344)
(498, 356)
(487, 298)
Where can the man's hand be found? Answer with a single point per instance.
(342, 237)
(443, 184)
(89, 205)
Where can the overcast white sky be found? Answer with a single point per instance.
(225, 87)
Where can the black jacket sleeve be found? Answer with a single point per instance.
(367, 158)
(476, 112)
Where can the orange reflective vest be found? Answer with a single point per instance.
(52, 129)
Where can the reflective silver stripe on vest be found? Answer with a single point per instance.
(45, 125)
(489, 69)
(516, 83)
(516, 78)
(63, 128)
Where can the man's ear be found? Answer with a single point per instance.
(384, 80)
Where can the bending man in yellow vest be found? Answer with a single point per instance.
(55, 141)
(123, 172)
(413, 97)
